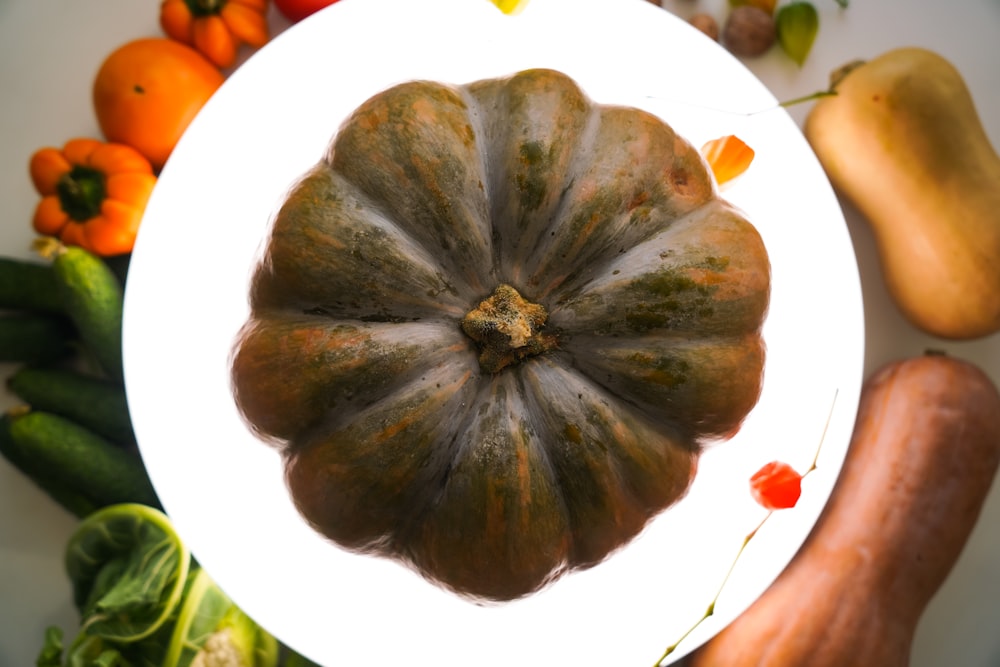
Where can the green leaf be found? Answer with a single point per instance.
(251, 642)
(52, 649)
(209, 624)
(94, 652)
(797, 24)
(204, 608)
(108, 658)
(128, 568)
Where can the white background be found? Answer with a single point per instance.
(50, 50)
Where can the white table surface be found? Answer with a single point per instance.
(51, 49)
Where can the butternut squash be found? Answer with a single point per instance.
(923, 456)
(903, 142)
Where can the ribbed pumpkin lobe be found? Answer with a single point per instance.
(507, 329)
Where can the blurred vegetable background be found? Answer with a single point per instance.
(138, 596)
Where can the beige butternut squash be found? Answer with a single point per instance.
(903, 142)
(922, 458)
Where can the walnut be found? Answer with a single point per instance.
(748, 31)
(707, 24)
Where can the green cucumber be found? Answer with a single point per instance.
(34, 338)
(92, 402)
(27, 285)
(79, 460)
(70, 500)
(119, 265)
(93, 299)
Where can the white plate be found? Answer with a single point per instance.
(186, 300)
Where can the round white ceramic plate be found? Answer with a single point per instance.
(187, 298)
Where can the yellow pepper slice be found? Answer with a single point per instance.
(510, 6)
(728, 157)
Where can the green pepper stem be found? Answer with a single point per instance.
(81, 192)
(201, 8)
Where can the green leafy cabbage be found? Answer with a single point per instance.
(143, 602)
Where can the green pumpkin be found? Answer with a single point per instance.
(495, 326)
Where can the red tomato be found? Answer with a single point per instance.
(296, 10)
(776, 486)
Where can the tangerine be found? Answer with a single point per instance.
(148, 91)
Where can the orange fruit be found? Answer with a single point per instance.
(148, 91)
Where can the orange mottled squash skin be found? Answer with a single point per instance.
(494, 327)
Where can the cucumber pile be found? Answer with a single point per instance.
(143, 600)
(61, 329)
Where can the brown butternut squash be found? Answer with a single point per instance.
(903, 142)
(922, 458)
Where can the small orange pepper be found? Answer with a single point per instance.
(93, 194)
(728, 157)
(216, 28)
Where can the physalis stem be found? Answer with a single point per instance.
(710, 610)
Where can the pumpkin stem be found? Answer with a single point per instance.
(507, 329)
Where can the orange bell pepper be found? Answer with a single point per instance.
(216, 28)
(93, 194)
